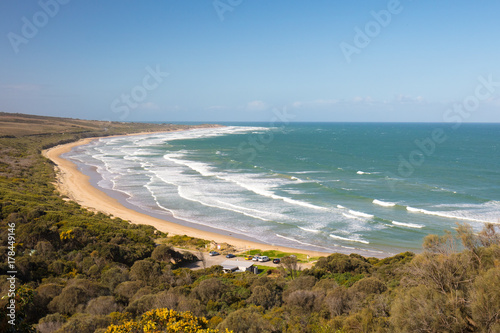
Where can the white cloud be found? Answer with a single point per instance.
(217, 107)
(315, 103)
(367, 100)
(257, 106)
(405, 99)
(149, 106)
(359, 99)
(21, 87)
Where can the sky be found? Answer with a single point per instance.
(251, 60)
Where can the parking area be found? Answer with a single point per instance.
(219, 259)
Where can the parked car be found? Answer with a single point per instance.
(213, 253)
(276, 260)
(255, 258)
(264, 258)
(248, 257)
(230, 255)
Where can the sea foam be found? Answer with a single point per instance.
(409, 225)
(384, 203)
(310, 230)
(445, 215)
(360, 214)
(350, 239)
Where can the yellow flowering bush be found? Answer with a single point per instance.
(165, 320)
(65, 235)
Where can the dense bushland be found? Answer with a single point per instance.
(79, 271)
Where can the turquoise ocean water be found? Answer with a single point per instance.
(369, 188)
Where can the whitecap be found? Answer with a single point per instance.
(267, 193)
(307, 172)
(360, 214)
(384, 203)
(203, 169)
(350, 239)
(409, 225)
(457, 215)
(310, 230)
(304, 243)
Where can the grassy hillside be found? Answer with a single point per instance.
(78, 271)
(15, 124)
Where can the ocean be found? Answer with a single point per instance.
(371, 188)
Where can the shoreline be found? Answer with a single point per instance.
(83, 189)
(71, 182)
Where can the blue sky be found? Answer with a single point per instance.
(238, 60)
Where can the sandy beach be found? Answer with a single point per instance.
(77, 186)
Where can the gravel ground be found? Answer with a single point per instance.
(218, 260)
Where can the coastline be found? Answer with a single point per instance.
(71, 182)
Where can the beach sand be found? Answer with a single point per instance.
(76, 186)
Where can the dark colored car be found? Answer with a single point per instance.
(230, 255)
(276, 261)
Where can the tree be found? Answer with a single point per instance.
(444, 273)
(85, 323)
(262, 296)
(102, 305)
(163, 253)
(44, 248)
(341, 263)
(248, 320)
(126, 290)
(75, 295)
(114, 276)
(169, 299)
(423, 309)
(303, 282)
(291, 264)
(305, 300)
(44, 294)
(68, 301)
(209, 290)
(485, 301)
(337, 301)
(51, 323)
(145, 270)
(488, 236)
(369, 285)
(440, 244)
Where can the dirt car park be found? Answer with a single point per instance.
(219, 259)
